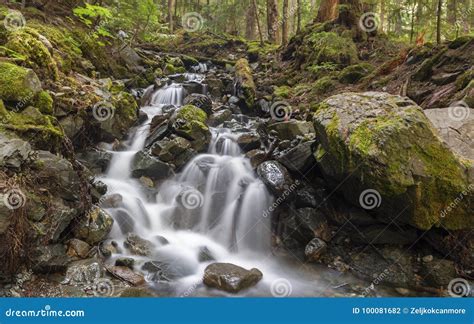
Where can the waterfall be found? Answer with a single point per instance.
(216, 202)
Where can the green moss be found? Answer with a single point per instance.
(244, 77)
(330, 47)
(464, 80)
(18, 84)
(460, 41)
(282, 92)
(192, 113)
(27, 42)
(324, 85)
(425, 71)
(34, 127)
(189, 61)
(352, 74)
(44, 102)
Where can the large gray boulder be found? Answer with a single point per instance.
(383, 154)
(13, 151)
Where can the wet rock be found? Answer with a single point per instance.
(439, 273)
(13, 151)
(177, 151)
(108, 248)
(230, 278)
(84, 272)
(146, 165)
(249, 141)
(193, 87)
(158, 133)
(95, 160)
(290, 130)
(72, 125)
(112, 201)
(205, 255)
(457, 134)
(219, 117)
(190, 123)
(256, 157)
(215, 87)
(162, 240)
(125, 262)
(78, 248)
(299, 158)
(95, 226)
(303, 225)
(201, 101)
(398, 155)
(50, 258)
(51, 168)
(126, 274)
(275, 176)
(315, 249)
(166, 270)
(138, 246)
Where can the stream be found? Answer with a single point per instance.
(212, 211)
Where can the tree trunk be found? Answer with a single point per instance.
(170, 15)
(298, 28)
(451, 12)
(382, 15)
(251, 21)
(272, 21)
(327, 11)
(259, 26)
(284, 31)
(438, 21)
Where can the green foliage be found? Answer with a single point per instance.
(90, 13)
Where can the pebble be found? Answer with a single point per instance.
(427, 258)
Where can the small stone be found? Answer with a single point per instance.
(125, 262)
(315, 249)
(126, 274)
(427, 258)
(230, 277)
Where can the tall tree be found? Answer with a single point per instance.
(327, 10)
(272, 21)
(299, 9)
(170, 15)
(284, 29)
(438, 21)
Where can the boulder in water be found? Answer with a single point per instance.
(205, 255)
(275, 176)
(190, 123)
(201, 101)
(125, 262)
(398, 166)
(249, 141)
(299, 158)
(230, 278)
(126, 274)
(220, 117)
(146, 165)
(177, 151)
(138, 246)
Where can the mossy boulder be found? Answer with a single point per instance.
(324, 85)
(329, 47)
(352, 74)
(31, 44)
(17, 84)
(44, 103)
(40, 130)
(190, 123)
(120, 114)
(385, 143)
(245, 84)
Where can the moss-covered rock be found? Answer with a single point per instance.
(385, 143)
(354, 73)
(245, 84)
(324, 85)
(39, 130)
(29, 43)
(44, 102)
(282, 92)
(190, 123)
(18, 84)
(323, 47)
